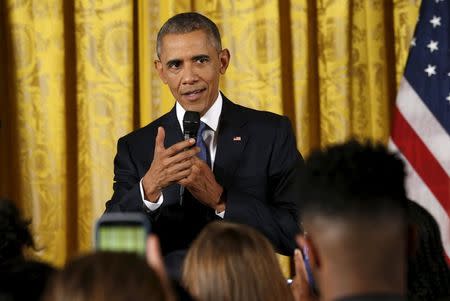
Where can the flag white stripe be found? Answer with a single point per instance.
(424, 124)
(419, 192)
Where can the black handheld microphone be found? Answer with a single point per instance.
(191, 123)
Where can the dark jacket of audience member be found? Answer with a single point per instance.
(428, 272)
(20, 278)
(231, 262)
(106, 276)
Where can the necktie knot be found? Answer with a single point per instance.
(201, 129)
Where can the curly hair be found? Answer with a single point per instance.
(15, 234)
(353, 179)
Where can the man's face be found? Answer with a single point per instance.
(191, 66)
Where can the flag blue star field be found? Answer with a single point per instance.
(421, 124)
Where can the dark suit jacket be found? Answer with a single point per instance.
(256, 162)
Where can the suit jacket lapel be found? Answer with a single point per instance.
(172, 129)
(232, 138)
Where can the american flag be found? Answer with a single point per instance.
(421, 124)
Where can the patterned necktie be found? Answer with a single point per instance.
(204, 150)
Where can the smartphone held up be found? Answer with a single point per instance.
(122, 232)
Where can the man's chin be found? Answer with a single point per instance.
(196, 107)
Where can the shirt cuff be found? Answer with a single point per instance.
(220, 214)
(150, 205)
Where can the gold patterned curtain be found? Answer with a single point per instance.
(77, 75)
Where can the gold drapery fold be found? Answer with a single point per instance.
(79, 74)
(39, 170)
(104, 103)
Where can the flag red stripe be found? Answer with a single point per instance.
(421, 159)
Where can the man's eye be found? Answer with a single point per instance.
(202, 60)
(174, 65)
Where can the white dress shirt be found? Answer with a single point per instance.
(211, 119)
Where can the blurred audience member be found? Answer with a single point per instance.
(353, 213)
(20, 278)
(111, 276)
(156, 262)
(231, 262)
(428, 272)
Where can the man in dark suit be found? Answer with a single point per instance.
(251, 156)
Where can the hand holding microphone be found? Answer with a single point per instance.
(201, 181)
(169, 165)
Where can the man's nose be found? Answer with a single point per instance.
(189, 75)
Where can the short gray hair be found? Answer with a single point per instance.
(186, 23)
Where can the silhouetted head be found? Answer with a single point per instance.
(20, 279)
(14, 232)
(353, 212)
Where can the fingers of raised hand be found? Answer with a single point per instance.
(193, 179)
(298, 284)
(177, 162)
(173, 158)
(178, 171)
(299, 263)
(179, 147)
(159, 140)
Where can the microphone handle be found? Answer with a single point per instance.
(181, 195)
(186, 137)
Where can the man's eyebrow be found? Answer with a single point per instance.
(200, 56)
(173, 62)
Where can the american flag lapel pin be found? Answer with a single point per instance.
(237, 138)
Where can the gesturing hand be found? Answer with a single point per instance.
(169, 165)
(202, 184)
(300, 287)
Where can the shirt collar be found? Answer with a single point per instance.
(211, 117)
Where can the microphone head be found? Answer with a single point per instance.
(191, 123)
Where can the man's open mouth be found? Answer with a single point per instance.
(194, 92)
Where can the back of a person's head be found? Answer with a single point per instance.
(111, 276)
(16, 271)
(428, 272)
(24, 280)
(233, 262)
(14, 232)
(353, 204)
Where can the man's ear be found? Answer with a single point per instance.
(159, 69)
(307, 245)
(224, 58)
